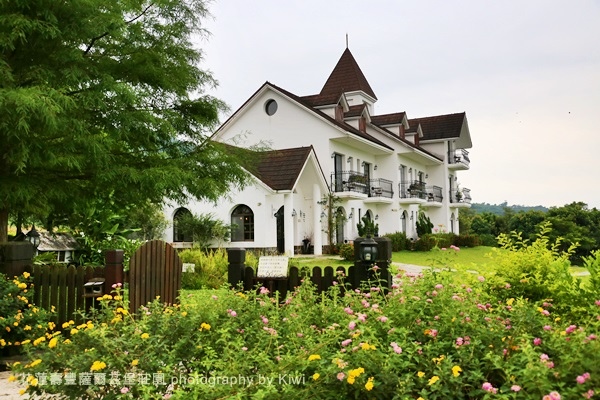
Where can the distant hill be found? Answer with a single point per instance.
(498, 209)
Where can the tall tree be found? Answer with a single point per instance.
(105, 98)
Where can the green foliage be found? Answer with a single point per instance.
(488, 240)
(424, 224)
(425, 242)
(428, 337)
(347, 251)
(20, 320)
(466, 240)
(367, 227)
(102, 98)
(537, 271)
(204, 229)
(210, 269)
(331, 208)
(399, 241)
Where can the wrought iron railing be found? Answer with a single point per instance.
(349, 181)
(414, 189)
(380, 187)
(434, 193)
(461, 196)
(459, 156)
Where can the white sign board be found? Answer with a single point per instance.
(272, 267)
(188, 267)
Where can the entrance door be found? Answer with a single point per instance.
(338, 172)
(280, 231)
(340, 217)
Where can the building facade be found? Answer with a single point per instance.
(388, 167)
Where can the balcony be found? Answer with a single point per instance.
(414, 192)
(380, 191)
(434, 196)
(357, 185)
(458, 159)
(461, 198)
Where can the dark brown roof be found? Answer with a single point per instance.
(279, 169)
(355, 111)
(316, 100)
(439, 126)
(57, 241)
(388, 119)
(346, 77)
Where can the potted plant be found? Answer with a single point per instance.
(306, 243)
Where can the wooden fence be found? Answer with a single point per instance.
(61, 289)
(155, 270)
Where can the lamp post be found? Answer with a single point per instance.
(368, 251)
(33, 237)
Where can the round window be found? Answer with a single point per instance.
(271, 107)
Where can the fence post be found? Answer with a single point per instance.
(14, 257)
(235, 271)
(113, 270)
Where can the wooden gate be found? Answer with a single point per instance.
(154, 270)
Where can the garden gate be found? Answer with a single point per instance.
(154, 270)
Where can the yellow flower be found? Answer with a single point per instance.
(351, 379)
(89, 325)
(2, 342)
(369, 385)
(39, 340)
(439, 359)
(367, 346)
(52, 343)
(204, 326)
(22, 285)
(98, 366)
(183, 313)
(22, 392)
(316, 376)
(26, 275)
(12, 378)
(420, 398)
(51, 325)
(135, 362)
(420, 374)
(456, 370)
(355, 373)
(74, 331)
(34, 363)
(67, 341)
(27, 328)
(433, 380)
(510, 301)
(145, 336)
(313, 357)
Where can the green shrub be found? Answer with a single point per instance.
(444, 240)
(399, 241)
(20, 320)
(488, 239)
(347, 251)
(466, 240)
(210, 268)
(425, 243)
(424, 224)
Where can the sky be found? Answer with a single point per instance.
(526, 72)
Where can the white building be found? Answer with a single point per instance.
(388, 167)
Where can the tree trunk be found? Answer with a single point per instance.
(3, 225)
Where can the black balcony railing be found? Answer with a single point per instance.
(434, 193)
(461, 196)
(381, 188)
(412, 190)
(459, 156)
(349, 181)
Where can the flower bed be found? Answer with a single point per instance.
(428, 338)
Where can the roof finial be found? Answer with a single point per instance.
(346, 40)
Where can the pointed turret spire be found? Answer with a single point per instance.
(347, 77)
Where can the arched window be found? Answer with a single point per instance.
(178, 234)
(242, 224)
(404, 217)
(452, 219)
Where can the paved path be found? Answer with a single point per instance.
(10, 390)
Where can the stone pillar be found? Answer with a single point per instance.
(237, 266)
(14, 257)
(317, 234)
(113, 270)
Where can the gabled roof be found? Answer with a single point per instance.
(355, 111)
(388, 119)
(57, 241)
(346, 77)
(317, 100)
(279, 169)
(440, 126)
